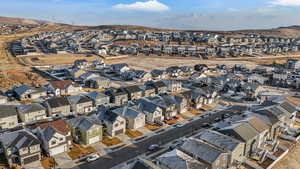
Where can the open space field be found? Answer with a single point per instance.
(291, 161)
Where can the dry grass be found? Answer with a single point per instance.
(78, 151)
(133, 133)
(184, 116)
(152, 127)
(48, 162)
(195, 112)
(108, 141)
(208, 107)
(171, 122)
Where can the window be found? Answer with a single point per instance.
(53, 142)
(116, 125)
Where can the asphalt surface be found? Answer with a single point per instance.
(112, 159)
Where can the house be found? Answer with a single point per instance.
(114, 123)
(134, 118)
(234, 147)
(64, 87)
(55, 136)
(168, 105)
(182, 104)
(86, 130)
(177, 159)
(159, 74)
(160, 86)
(81, 104)
(134, 92)
(31, 112)
(20, 147)
(117, 96)
(58, 106)
(153, 113)
(97, 83)
(173, 85)
(213, 157)
(144, 164)
(148, 91)
(120, 68)
(243, 132)
(26, 92)
(98, 98)
(8, 116)
(3, 99)
(142, 76)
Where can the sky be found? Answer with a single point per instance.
(176, 14)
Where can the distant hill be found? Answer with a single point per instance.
(22, 21)
(290, 31)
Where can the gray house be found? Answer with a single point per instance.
(81, 104)
(134, 92)
(153, 113)
(213, 157)
(26, 92)
(58, 105)
(117, 96)
(31, 112)
(8, 116)
(98, 83)
(21, 147)
(134, 118)
(98, 98)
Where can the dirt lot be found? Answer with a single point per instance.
(291, 161)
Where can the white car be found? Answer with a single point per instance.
(179, 125)
(92, 157)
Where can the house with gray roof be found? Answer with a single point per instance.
(27, 92)
(177, 159)
(97, 82)
(81, 104)
(152, 111)
(234, 147)
(98, 98)
(86, 130)
(58, 105)
(31, 112)
(144, 164)
(8, 116)
(114, 123)
(134, 118)
(134, 92)
(213, 157)
(243, 132)
(20, 147)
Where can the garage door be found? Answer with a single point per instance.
(94, 140)
(119, 132)
(58, 150)
(31, 159)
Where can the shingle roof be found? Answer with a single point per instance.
(60, 126)
(8, 110)
(201, 150)
(219, 140)
(28, 108)
(77, 99)
(19, 139)
(128, 112)
(63, 84)
(83, 123)
(241, 131)
(58, 102)
(177, 159)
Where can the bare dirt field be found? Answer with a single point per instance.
(291, 161)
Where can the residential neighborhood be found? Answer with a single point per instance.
(239, 117)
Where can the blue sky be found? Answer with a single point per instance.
(181, 14)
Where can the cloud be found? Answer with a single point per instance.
(286, 3)
(149, 6)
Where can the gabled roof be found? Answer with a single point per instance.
(64, 84)
(288, 107)
(132, 89)
(19, 139)
(58, 102)
(177, 159)
(83, 123)
(24, 88)
(201, 150)
(219, 140)
(78, 99)
(146, 105)
(96, 95)
(240, 131)
(144, 164)
(29, 108)
(128, 112)
(60, 126)
(8, 110)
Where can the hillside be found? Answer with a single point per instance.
(10, 20)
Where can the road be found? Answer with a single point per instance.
(112, 159)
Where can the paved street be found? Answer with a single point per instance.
(132, 151)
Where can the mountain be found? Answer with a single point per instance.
(22, 21)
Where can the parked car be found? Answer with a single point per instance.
(205, 125)
(92, 157)
(179, 125)
(153, 147)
